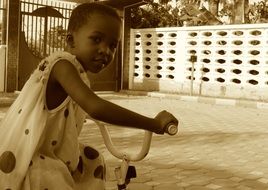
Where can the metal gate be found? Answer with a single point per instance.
(44, 24)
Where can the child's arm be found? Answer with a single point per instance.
(66, 75)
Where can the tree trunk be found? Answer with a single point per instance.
(214, 7)
(246, 12)
(240, 9)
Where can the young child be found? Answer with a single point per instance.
(39, 134)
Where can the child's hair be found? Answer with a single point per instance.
(82, 13)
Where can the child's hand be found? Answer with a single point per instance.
(164, 119)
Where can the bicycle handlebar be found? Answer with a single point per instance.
(171, 129)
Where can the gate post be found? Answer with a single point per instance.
(13, 30)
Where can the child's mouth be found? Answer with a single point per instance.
(100, 64)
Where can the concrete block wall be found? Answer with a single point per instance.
(2, 67)
(231, 60)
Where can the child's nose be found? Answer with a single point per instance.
(104, 49)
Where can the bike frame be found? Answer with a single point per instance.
(121, 171)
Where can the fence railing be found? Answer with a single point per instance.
(45, 36)
(231, 60)
(3, 21)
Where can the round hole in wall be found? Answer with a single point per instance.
(160, 35)
(253, 82)
(159, 76)
(171, 68)
(147, 59)
(221, 52)
(137, 51)
(148, 51)
(170, 76)
(206, 60)
(206, 79)
(221, 61)
(222, 33)
(138, 36)
(171, 59)
(136, 74)
(193, 43)
(189, 77)
(237, 61)
(255, 32)
(159, 51)
(136, 66)
(254, 42)
(220, 70)
(192, 34)
(206, 52)
(159, 67)
(137, 59)
(147, 75)
(207, 43)
(238, 33)
(138, 43)
(222, 42)
(192, 52)
(172, 43)
(172, 51)
(147, 66)
(207, 34)
(254, 62)
(237, 42)
(190, 69)
(236, 71)
(237, 52)
(173, 35)
(254, 52)
(254, 72)
(220, 80)
(206, 70)
(159, 59)
(160, 43)
(148, 43)
(148, 35)
(237, 81)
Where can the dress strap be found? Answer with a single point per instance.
(46, 65)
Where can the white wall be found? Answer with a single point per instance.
(2, 67)
(159, 60)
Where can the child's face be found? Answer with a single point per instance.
(95, 43)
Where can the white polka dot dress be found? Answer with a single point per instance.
(39, 147)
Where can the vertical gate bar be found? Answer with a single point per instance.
(4, 21)
(23, 17)
(32, 27)
(40, 35)
(27, 24)
(65, 12)
(49, 37)
(35, 34)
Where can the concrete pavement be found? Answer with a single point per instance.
(219, 147)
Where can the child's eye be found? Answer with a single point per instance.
(95, 39)
(114, 45)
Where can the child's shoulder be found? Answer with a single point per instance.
(48, 62)
(54, 57)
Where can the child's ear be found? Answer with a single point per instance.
(70, 40)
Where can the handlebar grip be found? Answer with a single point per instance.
(171, 129)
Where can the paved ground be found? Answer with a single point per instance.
(218, 147)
